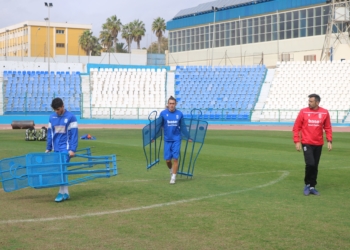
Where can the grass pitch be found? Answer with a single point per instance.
(246, 194)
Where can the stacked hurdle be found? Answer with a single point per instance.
(44, 170)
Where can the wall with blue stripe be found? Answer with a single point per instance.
(118, 66)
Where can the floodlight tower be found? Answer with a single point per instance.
(48, 5)
(337, 29)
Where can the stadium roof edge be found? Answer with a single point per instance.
(44, 24)
(219, 4)
(244, 9)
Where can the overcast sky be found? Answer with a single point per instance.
(94, 12)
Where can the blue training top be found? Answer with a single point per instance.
(173, 124)
(62, 132)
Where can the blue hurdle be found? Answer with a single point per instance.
(44, 170)
(150, 135)
(197, 130)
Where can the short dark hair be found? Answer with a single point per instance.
(317, 97)
(171, 98)
(56, 103)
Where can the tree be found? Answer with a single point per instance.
(154, 46)
(88, 42)
(96, 50)
(113, 26)
(121, 48)
(106, 40)
(158, 27)
(138, 31)
(127, 34)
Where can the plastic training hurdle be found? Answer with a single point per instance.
(44, 170)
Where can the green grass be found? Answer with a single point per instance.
(246, 194)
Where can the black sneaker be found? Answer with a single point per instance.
(314, 191)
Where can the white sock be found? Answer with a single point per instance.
(61, 190)
(173, 176)
(65, 188)
(312, 188)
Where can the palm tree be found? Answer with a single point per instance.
(106, 40)
(86, 41)
(121, 48)
(138, 31)
(113, 26)
(158, 27)
(127, 34)
(96, 50)
(163, 46)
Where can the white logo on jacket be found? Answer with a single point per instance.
(65, 120)
(59, 129)
(314, 121)
(171, 123)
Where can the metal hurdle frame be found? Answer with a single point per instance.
(92, 160)
(193, 159)
(32, 170)
(149, 161)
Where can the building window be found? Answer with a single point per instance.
(59, 45)
(280, 26)
(59, 31)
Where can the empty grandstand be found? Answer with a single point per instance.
(33, 91)
(294, 81)
(222, 93)
(125, 93)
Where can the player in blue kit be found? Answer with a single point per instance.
(62, 136)
(173, 125)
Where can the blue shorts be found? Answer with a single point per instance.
(172, 149)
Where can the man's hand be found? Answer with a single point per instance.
(298, 146)
(71, 153)
(329, 146)
(47, 151)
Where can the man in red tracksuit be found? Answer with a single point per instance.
(308, 134)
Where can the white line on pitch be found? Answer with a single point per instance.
(283, 176)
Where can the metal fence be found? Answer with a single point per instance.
(253, 115)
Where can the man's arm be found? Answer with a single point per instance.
(49, 138)
(296, 131)
(73, 136)
(328, 129)
(156, 132)
(184, 130)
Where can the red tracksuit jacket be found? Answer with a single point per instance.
(311, 124)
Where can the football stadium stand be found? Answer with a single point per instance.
(33, 91)
(294, 81)
(223, 93)
(126, 93)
